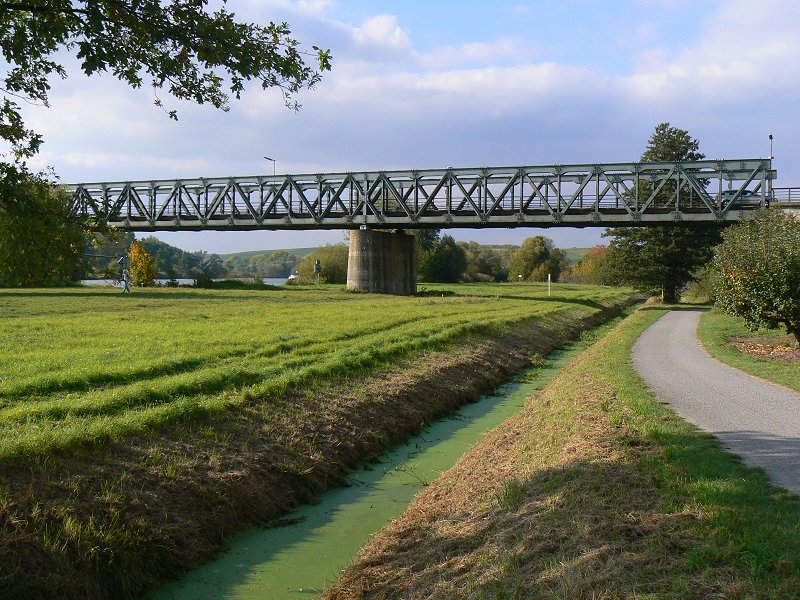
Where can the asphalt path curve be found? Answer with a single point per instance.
(753, 418)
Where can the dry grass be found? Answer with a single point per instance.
(608, 502)
(113, 521)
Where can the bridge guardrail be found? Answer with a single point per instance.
(786, 195)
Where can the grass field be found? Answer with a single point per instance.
(250, 253)
(83, 365)
(575, 254)
(596, 490)
(715, 331)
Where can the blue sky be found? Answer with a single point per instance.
(429, 84)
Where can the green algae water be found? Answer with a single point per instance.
(301, 559)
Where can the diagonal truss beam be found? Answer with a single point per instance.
(607, 194)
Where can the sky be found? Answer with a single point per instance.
(424, 84)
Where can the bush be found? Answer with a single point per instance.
(143, 268)
(332, 258)
(444, 262)
(537, 257)
(758, 264)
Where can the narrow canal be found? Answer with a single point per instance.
(301, 559)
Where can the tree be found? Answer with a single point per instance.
(179, 45)
(662, 258)
(41, 241)
(332, 258)
(537, 257)
(444, 261)
(143, 267)
(278, 263)
(484, 263)
(592, 268)
(758, 271)
(670, 144)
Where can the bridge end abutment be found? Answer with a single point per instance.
(382, 262)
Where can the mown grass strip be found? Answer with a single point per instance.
(716, 330)
(173, 355)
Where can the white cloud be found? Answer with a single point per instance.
(480, 53)
(387, 105)
(748, 51)
(381, 37)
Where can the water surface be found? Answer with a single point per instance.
(299, 560)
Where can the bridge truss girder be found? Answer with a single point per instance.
(587, 195)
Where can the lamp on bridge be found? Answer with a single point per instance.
(273, 161)
(770, 147)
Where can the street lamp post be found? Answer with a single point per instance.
(770, 147)
(272, 160)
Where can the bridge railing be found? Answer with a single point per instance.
(550, 195)
(786, 195)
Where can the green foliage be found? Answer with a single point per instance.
(143, 268)
(103, 251)
(758, 264)
(484, 263)
(173, 262)
(537, 257)
(664, 258)
(181, 46)
(660, 259)
(210, 267)
(332, 257)
(701, 289)
(591, 268)
(670, 144)
(426, 239)
(440, 259)
(41, 243)
(278, 263)
(98, 368)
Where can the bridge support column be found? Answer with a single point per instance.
(382, 262)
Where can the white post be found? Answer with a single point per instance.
(548, 284)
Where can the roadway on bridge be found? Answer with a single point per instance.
(753, 418)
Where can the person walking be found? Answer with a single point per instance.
(126, 279)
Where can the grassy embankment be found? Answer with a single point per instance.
(716, 331)
(137, 431)
(595, 490)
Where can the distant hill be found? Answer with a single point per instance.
(575, 254)
(300, 252)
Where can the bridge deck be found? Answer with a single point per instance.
(589, 195)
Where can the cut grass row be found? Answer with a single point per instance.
(716, 330)
(112, 520)
(82, 366)
(594, 490)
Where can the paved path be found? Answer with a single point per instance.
(755, 419)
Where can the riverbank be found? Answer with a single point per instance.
(133, 502)
(594, 490)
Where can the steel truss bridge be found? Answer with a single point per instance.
(584, 195)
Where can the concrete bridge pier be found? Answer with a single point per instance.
(382, 262)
